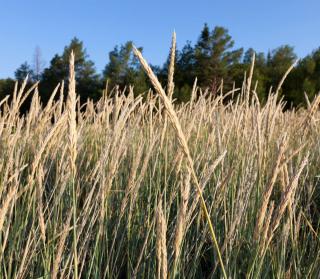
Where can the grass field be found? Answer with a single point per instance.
(138, 187)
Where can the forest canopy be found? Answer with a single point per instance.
(213, 58)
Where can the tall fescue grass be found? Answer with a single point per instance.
(140, 187)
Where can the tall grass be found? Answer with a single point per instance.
(222, 189)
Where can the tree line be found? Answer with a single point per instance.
(212, 59)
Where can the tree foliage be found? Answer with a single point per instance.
(88, 82)
(124, 69)
(211, 59)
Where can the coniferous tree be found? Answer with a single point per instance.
(214, 56)
(6, 87)
(23, 71)
(211, 59)
(241, 70)
(185, 73)
(124, 69)
(87, 81)
(278, 62)
(304, 79)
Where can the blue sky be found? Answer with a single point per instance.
(101, 25)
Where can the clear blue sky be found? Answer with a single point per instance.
(101, 25)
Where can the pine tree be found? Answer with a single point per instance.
(214, 55)
(87, 81)
(123, 69)
(23, 71)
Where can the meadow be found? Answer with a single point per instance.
(137, 186)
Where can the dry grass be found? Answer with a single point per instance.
(114, 191)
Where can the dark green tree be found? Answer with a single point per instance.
(278, 62)
(259, 78)
(214, 56)
(124, 69)
(6, 87)
(185, 73)
(304, 79)
(88, 84)
(23, 71)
